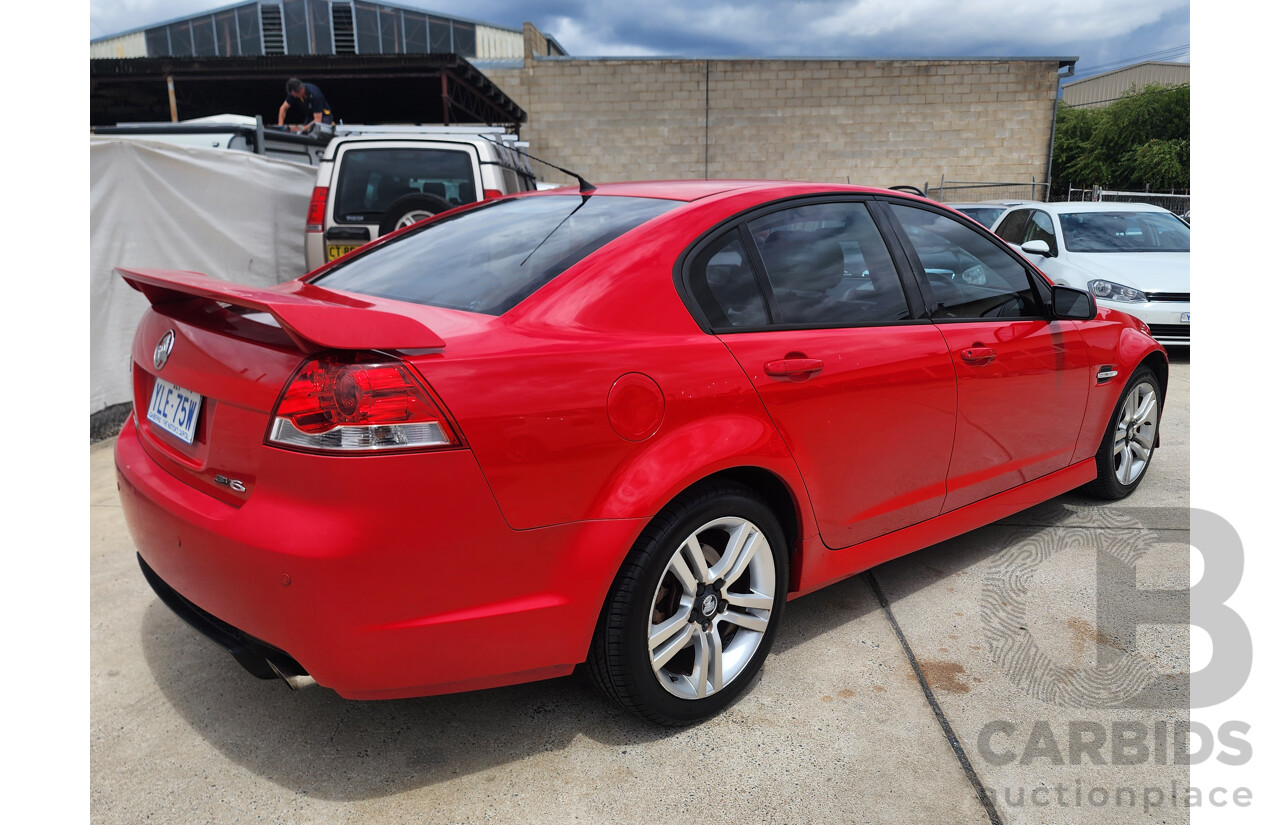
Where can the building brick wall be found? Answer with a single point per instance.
(876, 122)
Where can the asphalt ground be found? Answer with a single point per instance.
(1002, 676)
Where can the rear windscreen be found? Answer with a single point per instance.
(371, 180)
(490, 258)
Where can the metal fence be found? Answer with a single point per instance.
(960, 191)
(1179, 203)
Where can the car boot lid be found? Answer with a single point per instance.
(314, 317)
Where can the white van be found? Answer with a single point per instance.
(375, 179)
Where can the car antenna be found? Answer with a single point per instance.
(584, 186)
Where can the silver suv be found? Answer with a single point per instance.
(375, 179)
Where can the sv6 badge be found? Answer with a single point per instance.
(234, 483)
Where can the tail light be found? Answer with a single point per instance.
(490, 194)
(358, 403)
(315, 210)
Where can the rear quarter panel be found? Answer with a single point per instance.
(538, 422)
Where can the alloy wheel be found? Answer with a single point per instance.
(1135, 433)
(711, 608)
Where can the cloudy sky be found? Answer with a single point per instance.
(1102, 33)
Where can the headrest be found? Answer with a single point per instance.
(802, 261)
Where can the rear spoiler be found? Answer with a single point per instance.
(315, 318)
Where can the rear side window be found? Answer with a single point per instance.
(371, 180)
(725, 286)
(828, 265)
(490, 258)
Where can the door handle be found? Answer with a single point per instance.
(978, 355)
(797, 369)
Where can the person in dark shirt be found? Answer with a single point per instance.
(309, 100)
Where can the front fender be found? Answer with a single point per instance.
(1125, 347)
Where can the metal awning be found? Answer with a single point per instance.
(420, 88)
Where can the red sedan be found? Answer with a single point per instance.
(620, 426)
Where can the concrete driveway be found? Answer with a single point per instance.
(969, 682)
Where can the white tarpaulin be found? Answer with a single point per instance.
(231, 215)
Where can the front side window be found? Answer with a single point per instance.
(827, 264)
(492, 257)
(1013, 228)
(969, 275)
(370, 180)
(1124, 232)
(1040, 228)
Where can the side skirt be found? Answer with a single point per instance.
(822, 566)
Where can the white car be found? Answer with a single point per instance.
(373, 180)
(1132, 256)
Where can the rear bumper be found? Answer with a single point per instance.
(381, 577)
(254, 655)
(313, 251)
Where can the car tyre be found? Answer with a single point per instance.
(694, 607)
(409, 209)
(1127, 447)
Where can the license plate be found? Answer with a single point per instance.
(174, 409)
(338, 250)
(1186, 317)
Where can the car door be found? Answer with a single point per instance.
(808, 298)
(1022, 379)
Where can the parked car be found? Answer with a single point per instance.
(1131, 256)
(376, 179)
(620, 426)
(985, 212)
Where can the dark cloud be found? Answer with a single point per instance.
(1100, 32)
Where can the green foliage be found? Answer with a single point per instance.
(1141, 140)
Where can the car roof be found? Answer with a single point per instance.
(691, 190)
(1069, 207)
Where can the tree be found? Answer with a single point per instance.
(1141, 140)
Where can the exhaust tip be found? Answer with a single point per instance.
(292, 676)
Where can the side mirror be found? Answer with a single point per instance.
(1040, 248)
(1071, 304)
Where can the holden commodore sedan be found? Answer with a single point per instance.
(1132, 256)
(620, 426)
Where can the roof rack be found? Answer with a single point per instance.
(377, 129)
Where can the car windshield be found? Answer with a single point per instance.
(1124, 232)
(490, 258)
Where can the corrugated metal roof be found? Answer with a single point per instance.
(418, 9)
(1124, 69)
(1108, 87)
